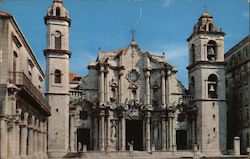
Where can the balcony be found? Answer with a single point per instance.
(23, 82)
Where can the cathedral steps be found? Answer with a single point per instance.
(143, 155)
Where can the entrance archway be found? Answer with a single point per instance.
(134, 133)
(83, 137)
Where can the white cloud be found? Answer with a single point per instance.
(167, 3)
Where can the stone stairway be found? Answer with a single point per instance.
(143, 155)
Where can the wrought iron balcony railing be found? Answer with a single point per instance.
(21, 80)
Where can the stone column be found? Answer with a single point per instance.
(123, 132)
(40, 140)
(167, 86)
(72, 141)
(95, 133)
(101, 85)
(102, 133)
(120, 87)
(23, 135)
(35, 132)
(11, 139)
(148, 132)
(108, 132)
(170, 126)
(31, 135)
(17, 129)
(147, 89)
(163, 125)
(163, 89)
(45, 140)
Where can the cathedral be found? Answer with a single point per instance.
(132, 99)
(130, 104)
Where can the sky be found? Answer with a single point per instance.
(160, 25)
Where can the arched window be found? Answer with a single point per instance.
(212, 86)
(210, 27)
(192, 54)
(192, 86)
(58, 75)
(211, 50)
(58, 12)
(58, 40)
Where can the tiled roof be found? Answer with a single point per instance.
(4, 14)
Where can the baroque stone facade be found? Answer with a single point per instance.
(128, 98)
(130, 104)
(23, 109)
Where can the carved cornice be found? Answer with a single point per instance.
(51, 51)
(46, 18)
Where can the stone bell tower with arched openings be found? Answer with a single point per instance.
(207, 85)
(57, 56)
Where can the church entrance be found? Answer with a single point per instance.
(181, 139)
(83, 137)
(134, 134)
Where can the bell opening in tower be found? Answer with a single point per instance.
(134, 134)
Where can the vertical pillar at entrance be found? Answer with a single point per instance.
(23, 140)
(95, 133)
(17, 138)
(31, 135)
(23, 135)
(11, 142)
(148, 138)
(171, 129)
(72, 140)
(30, 149)
(102, 122)
(123, 134)
(108, 132)
(163, 123)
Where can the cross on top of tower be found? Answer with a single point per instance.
(205, 8)
(133, 34)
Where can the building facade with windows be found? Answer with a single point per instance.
(237, 62)
(131, 97)
(23, 109)
(207, 110)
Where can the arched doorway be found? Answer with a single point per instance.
(134, 134)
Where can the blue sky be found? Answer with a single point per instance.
(160, 25)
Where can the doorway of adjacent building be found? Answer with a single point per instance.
(83, 137)
(134, 133)
(181, 139)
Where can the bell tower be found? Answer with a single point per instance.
(207, 85)
(57, 56)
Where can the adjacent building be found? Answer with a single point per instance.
(237, 62)
(23, 109)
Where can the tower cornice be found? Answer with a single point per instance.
(204, 63)
(49, 51)
(48, 17)
(205, 33)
